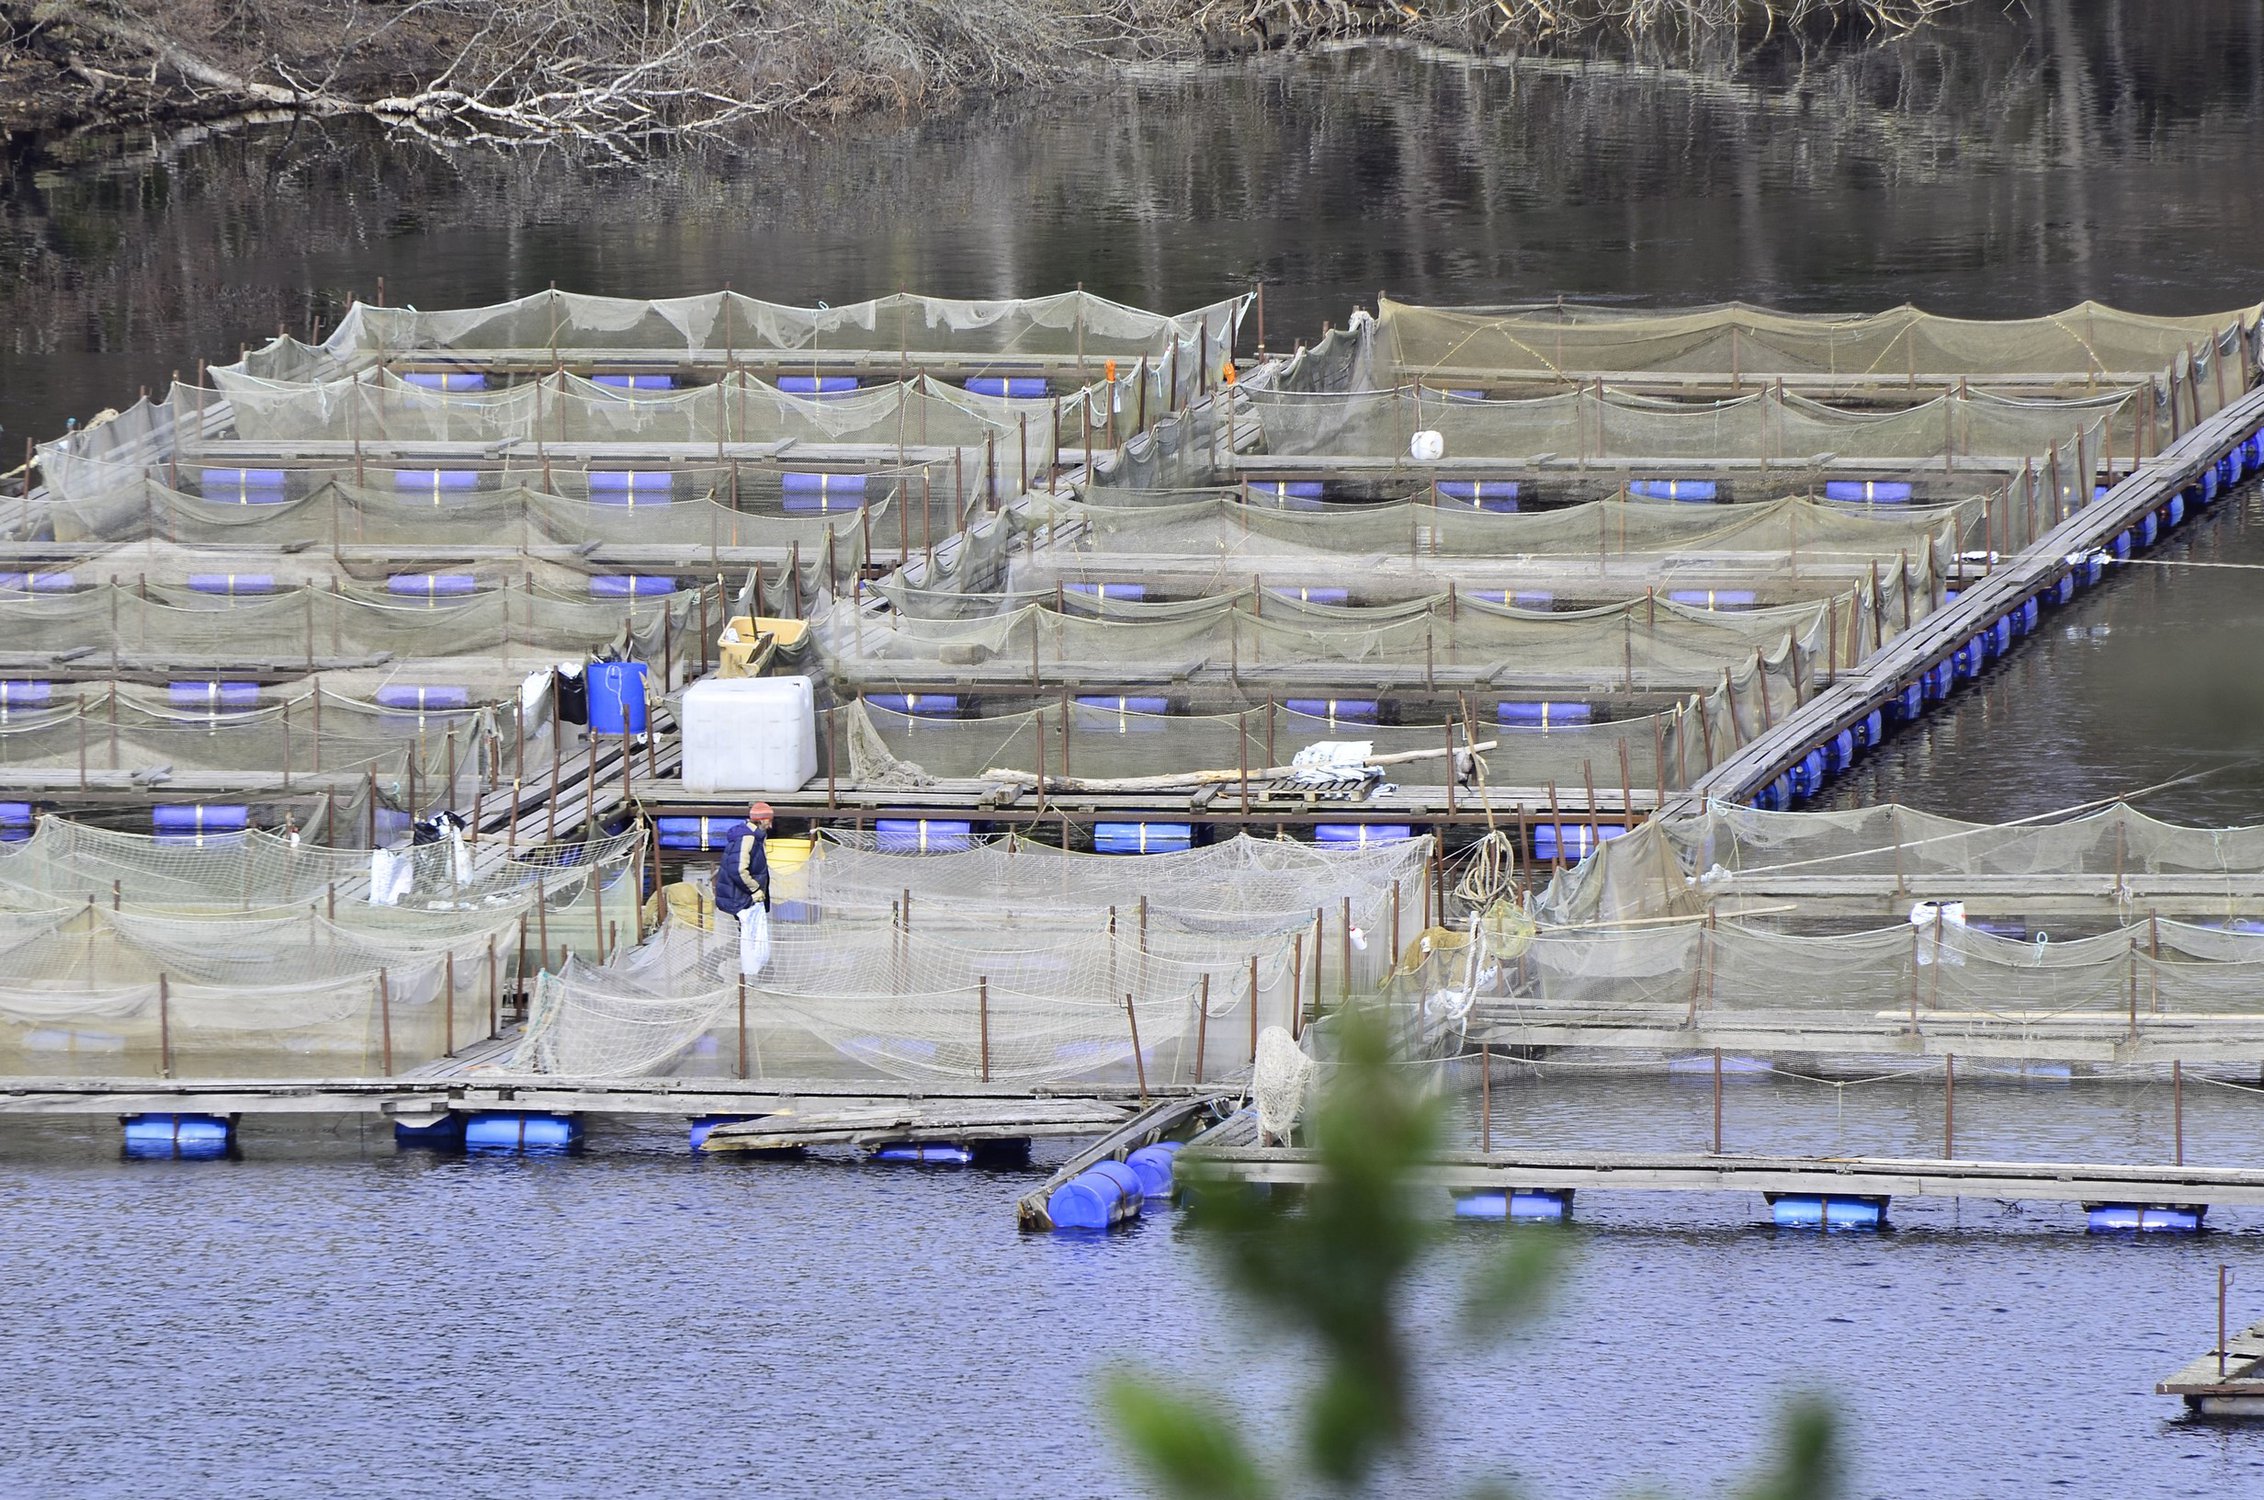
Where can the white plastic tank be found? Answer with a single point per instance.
(749, 734)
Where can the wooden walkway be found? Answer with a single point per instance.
(2227, 1382)
(1855, 694)
(1836, 1177)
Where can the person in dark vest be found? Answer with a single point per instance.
(742, 886)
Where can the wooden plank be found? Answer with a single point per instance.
(1886, 1177)
(928, 1120)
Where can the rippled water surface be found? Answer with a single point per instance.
(328, 1315)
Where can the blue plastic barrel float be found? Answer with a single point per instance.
(1528, 1205)
(446, 380)
(19, 693)
(1527, 715)
(704, 1126)
(2173, 514)
(187, 1137)
(445, 1132)
(1142, 838)
(922, 835)
(635, 382)
(1335, 710)
(817, 385)
(1673, 489)
(1868, 491)
(631, 486)
(1288, 494)
(434, 481)
(1362, 835)
(693, 833)
(2144, 1218)
(1018, 387)
(1826, 1211)
(1306, 593)
(38, 583)
(1839, 751)
(431, 586)
(2001, 635)
(1572, 842)
(1104, 1194)
(2024, 618)
(1153, 1165)
(521, 1130)
(193, 825)
(1808, 774)
(1714, 598)
(1112, 589)
(213, 697)
(424, 697)
(925, 1153)
(616, 697)
(1497, 495)
(231, 585)
(2149, 530)
(16, 821)
(921, 705)
(1873, 729)
(1909, 703)
(244, 486)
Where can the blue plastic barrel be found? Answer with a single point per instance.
(423, 696)
(1142, 838)
(2173, 514)
(1714, 598)
(2000, 636)
(232, 484)
(1810, 1211)
(1120, 703)
(1107, 1193)
(182, 1136)
(1543, 715)
(631, 586)
(26, 694)
(444, 1132)
(435, 479)
(2062, 590)
(1673, 489)
(817, 385)
(2144, 1218)
(631, 486)
(15, 815)
(231, 584)
(1361, 835)
(1498, 495)
(635, 382)
(922, 835)
(1153, 1166)
(704, 1126)
(446, 380)
(1293, 494)
(521, 1130)
(2149, 528)
(1871, 730)
(1868, 491)
(926, 705)
(1910, 702)
(1019, 387)
(2030, 612)
(693, 833)
(1336, 710)
(193, 824)
(925, 1153)
(616, 697)
(1839, 753)
(213, 697)
(1533, 1205)
(431, 585)
(1112, 590)
(1571, 842)
(1529, 599)
(1808, 775)
(1311, 593)
(37, 583)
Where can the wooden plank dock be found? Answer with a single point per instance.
(1846, 701)
(2228, 1381)
(1836, 1177)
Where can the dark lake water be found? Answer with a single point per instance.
(328, 1315)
